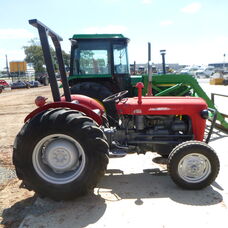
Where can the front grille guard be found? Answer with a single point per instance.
(213, 121)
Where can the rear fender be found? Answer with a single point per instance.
(78, 107)
(88, 102)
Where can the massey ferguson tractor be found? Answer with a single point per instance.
(64, 146)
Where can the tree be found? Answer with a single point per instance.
(66, 59)
(34, 55)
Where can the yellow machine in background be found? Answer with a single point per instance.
(216, 81)
(219, 78)
(18, 67)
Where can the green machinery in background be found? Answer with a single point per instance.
(181, 85)
(99, 68)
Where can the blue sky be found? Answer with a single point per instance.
(192, 32)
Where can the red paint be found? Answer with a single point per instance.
(4, 83)
(140, 86)
(190, 106)
(86, 101)
(40, 101)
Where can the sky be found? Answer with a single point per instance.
(191, 32)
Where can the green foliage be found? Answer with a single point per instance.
(66, 59)
(34, 55)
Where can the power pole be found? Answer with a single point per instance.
(7, 67)
(163, 52)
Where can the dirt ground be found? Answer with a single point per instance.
(134, 192)
(14, 106)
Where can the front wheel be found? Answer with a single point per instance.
(193, 165)
(60, 154)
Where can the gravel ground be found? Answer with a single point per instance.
(6, 168)
(6, 174)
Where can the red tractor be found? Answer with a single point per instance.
(64, 146)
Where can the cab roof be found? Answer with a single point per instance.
(98, 36)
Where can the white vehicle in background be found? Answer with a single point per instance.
(191, 70)
(205, 72)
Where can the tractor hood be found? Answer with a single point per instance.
(161, 106)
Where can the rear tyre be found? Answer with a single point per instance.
(193, 165)
(99, 92)
(60, 154)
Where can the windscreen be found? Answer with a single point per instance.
(92, 58)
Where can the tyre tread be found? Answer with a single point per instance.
(84, 128)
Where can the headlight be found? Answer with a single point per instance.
(204, 114)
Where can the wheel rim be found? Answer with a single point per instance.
(194, 168)
(58, 159)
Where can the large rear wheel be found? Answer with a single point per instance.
(60, 154)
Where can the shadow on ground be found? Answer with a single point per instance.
(13, 216)
(115, 186)
(154, 183)
(82, 211)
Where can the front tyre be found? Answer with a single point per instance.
(193, 165)
(60, 154)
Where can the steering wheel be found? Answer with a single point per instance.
(115, 96)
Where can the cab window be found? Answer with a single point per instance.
(120, 59)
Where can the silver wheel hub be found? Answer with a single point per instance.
(61, 156)
(58, 159)
(194, 168)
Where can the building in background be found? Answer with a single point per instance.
(222, 66)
